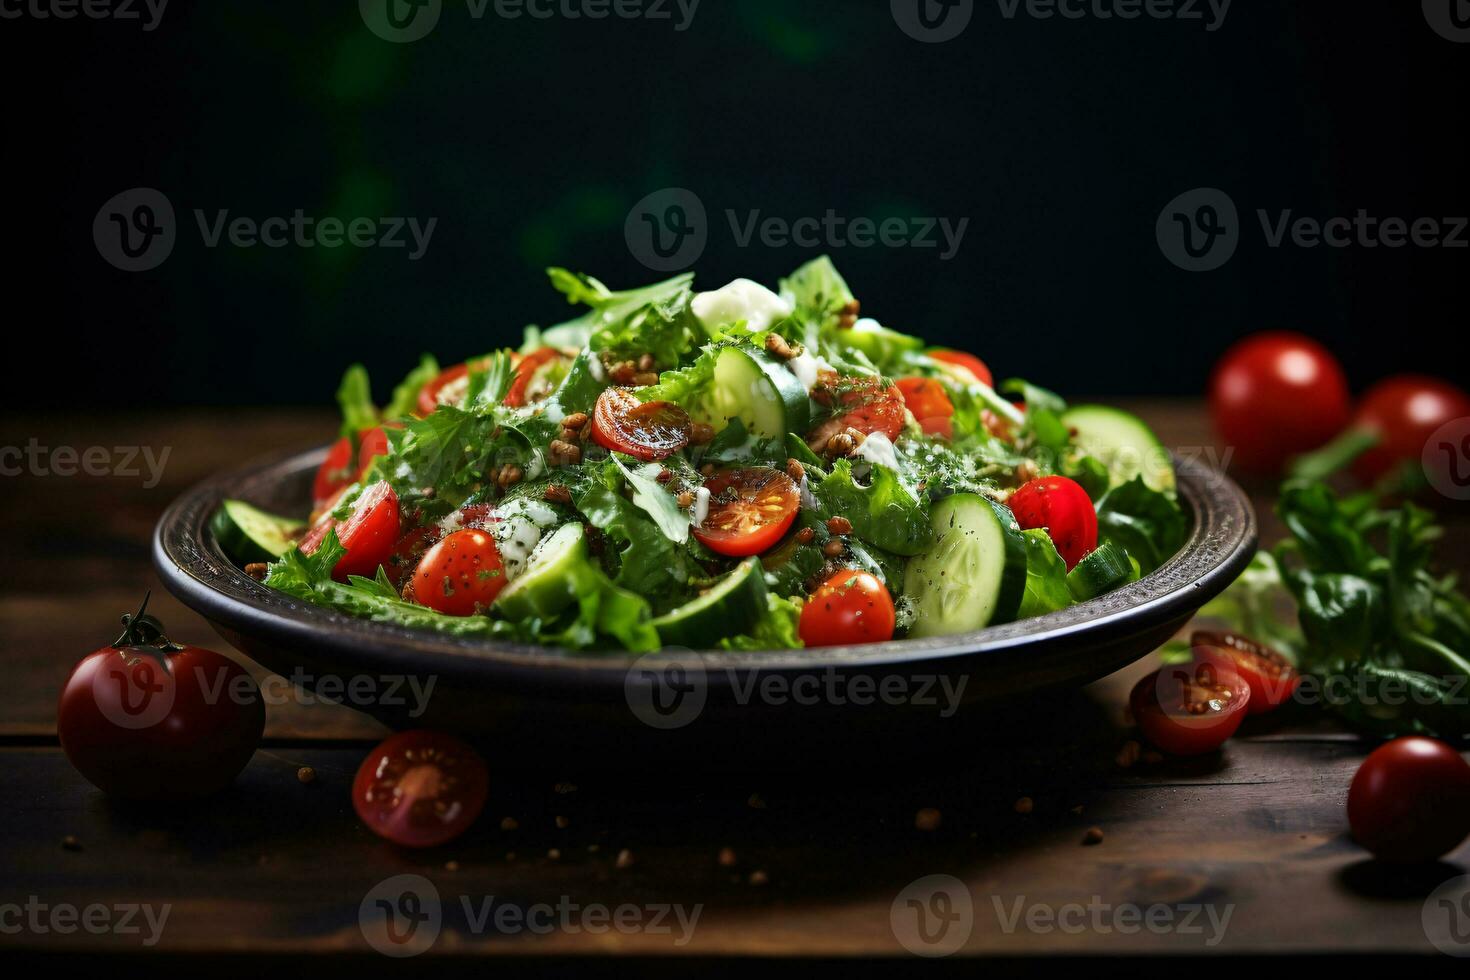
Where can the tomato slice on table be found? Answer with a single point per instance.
(420, 788)
(750, 509)
(645, 430)
(969, 362)
(1064, 509)
(850, 607)
(1191, 709)
(369, 533)
(930, 404)
(461, 575)
(530, 371)
(1271, 676)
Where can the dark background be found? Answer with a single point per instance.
(529, 140)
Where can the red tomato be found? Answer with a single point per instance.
(374, 444)
(749, 510)
(1062, 507)
(461, 575)
(1190, 709)
(407, 552)
(531, 368)
(145, 718)
(1410, 800)
(645, 430)
(420, 788)
(1403, 412)
(448, 388)
(1271, 676)
(850, 607)
(930, 403)
(1277, 395)
(860, 403)
(976, 367)
(369, 533)
(335, 474)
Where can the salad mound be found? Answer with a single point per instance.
(743, 468)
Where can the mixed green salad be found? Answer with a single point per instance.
(744, 468)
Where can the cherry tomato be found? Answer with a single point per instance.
(930, 404)
(1410, 800)
(1277, 395)
(1191, 709)
(369, 533)
(1271, 676)
(1063, 508)
(461, 575)
(407, 552)
(335, 474)
(749, 510)
(850, 607)
(862, 403)
(977, 368)
(1403, 412)
(374, 444)
(531, 371)
(420, 788)
(645, 430)
(448, 387)
(149, 719)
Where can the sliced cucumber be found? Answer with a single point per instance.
(1104, 570)
(731, 606)
(974, 575)
(756, 388)
(553, 576)
(1123, 444)
(248, 534)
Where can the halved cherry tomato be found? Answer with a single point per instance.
(646, 430)
(528, 369)
(862, 403)
(461, 575)
(374, 444)
(749, 510)
(976, 367)
(1062, 507)
(930, 404)
(1191, 709)
(420, 788)
(336, 472)
(369, 533)
(1271, 676)
(448, 388)
(850, 607)
(1410, 800)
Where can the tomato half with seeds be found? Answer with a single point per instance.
(850, 607)
(420, 788)
(336, 473)
(750, 509)
(449, 387)
(1271, 676)
(862, 403)
(930, 404)
(461, 575)
(1064, 509)
(533, 376)
(374, 444)
(644, 430)
(369, 533)
(1193, 708)
(975, 367)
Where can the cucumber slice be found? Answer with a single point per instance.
(248, 534)
(731, 606)
(756, 388)
(1104, 570)
(553, 575)
(1123, 444)
(974, 575)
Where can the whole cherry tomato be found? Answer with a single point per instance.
(1271, 676)
(1191, 709)
(930, 405)
(420, 788)
(749, 510)
(850, 607)
(149, 719)
(1277, 395)
(1401, 413)
(461, 575)
(1064, 509)
(1410, 800)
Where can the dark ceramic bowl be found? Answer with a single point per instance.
(735, 706)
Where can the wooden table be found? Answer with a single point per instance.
(817, 865)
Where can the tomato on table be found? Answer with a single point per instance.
(369, 533)
(420, 788)
(531, 373)
(1191, 709)
(645, 430)
(1402, 413)
(1271, 676)
(461, 575)
(972, 365)
(750, 509)
(1277, 395)
(1064, 509)
(930, 405)
(1410, 800)
(850, 607)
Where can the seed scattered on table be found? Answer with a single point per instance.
(928, 819)
(562, 823)
(70, 843)
(306, 774)
(1025, 805)
(727, 857)
(1093, 836)
(510, 823)
(1129, 754)
(758, 878)
(554, 854)
(624, 859)
(451, 865)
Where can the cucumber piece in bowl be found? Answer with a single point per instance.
(1105, 569)
(1123, 444)
(730, 607)
(756, 388)
(974, 575)
(249, 534)
(554, 571)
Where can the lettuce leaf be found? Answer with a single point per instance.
(775, 630)
(1147, 524)
(1046, 576)
(883, 513)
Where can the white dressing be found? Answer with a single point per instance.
(742, 299)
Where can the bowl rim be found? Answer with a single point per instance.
(1221, 542)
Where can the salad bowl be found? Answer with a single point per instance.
(723, 706)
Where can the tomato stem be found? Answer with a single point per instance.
(143, 630)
